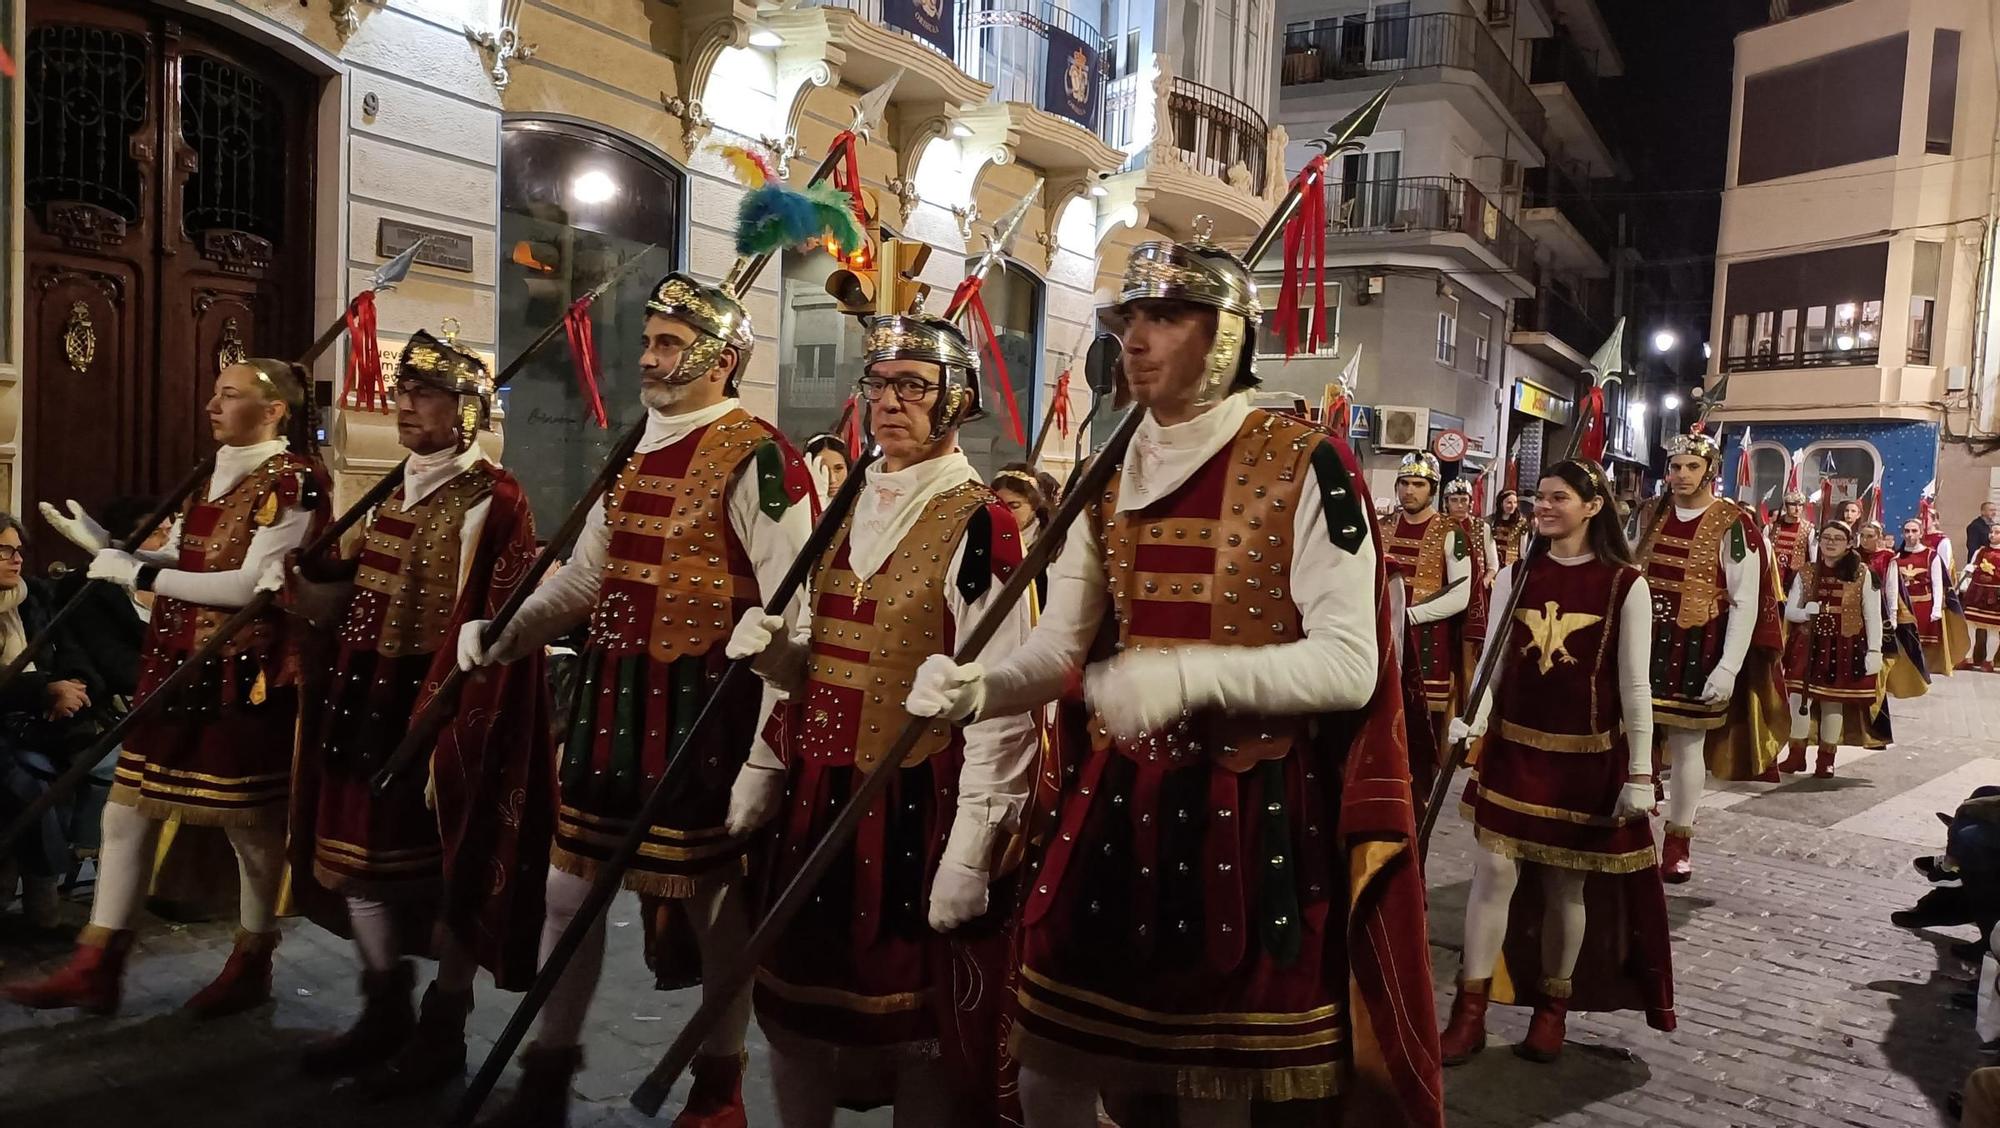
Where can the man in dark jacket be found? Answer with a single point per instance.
(1975, 533)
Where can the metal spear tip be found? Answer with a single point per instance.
(1010, 224)
(868, 109)
(1349, 132)
(389, 273)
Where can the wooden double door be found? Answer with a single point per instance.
(168, 179)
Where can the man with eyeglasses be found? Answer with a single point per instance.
(703, 521)
(888, 984)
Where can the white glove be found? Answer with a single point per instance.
(944, 688)
(1873, 663)
(1721, 684)
(1635, 798)
(957, 895)
(273, 578)
(121, 568)
(1460, 732)
(472, 656)
(81, 529)
(1811, 609)
(753, 633)
(1136, 692)
(753, 798)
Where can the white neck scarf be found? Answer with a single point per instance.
(423, 473)
(890, 504)
(234, 463)
(1162, 458)
(663, 430)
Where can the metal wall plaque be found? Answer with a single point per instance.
(446, 250)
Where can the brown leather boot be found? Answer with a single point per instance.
(1675, 865)
(1544, 1042)
(716, 1098)
(541, 1100)
(1823, 767)
(1795, 757)
(387, 1016)
(91, 981)
(433, 1056)
(245, 981)
(1465, 1033)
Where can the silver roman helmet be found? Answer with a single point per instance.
(442, 364)
(1698, 444)
(1420, 464)
(1200, 273)
(716, 314)
(921, 336)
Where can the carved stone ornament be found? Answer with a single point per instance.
(695, 122)
(503, 43)
(237, 252)
(905, 190)
(230, 349)
(79, 339)
(346, 17)
(84, 226)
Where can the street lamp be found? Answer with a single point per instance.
(1670, 402)
(1664, 340)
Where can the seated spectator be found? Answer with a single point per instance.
(1966, 876)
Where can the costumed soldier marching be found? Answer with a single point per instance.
(1833, 658)
(1717, 689)
(454, 869)
(1923, 562)
(887, 986)
(1563, 787)
(706, 515)
(1979, 590)
(1434, 557)
(1510, 527)
(1229, 914)
(220, 752)
(1485, 565)
(1791, 539)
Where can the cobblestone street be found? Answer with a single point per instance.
(1799, 1003)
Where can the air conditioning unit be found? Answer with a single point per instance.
(1402, 428)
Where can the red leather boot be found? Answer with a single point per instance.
(245, 981)
(1795, 757)
(1823, 768)
(1675, 865)
(1544, 1042)
(715, 1100)
(1465, 1033)
(92, 980)
(541, 1100)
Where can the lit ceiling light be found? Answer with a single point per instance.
(1844, 342)
(765, 37)
(960, 129)
(1099, 191)
(1664, 340)
(593, 187)
(1670, 402)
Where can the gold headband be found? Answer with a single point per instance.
(1018, 476)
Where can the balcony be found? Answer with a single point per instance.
(1560, 213)
(1439, 213)
(1192, 150)
(1434, 48)
(1565, 79)
(1554, 329)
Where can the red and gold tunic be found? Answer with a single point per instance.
(1479, 538)
(1691, 606)
(1917, 567)
(1507, 538)
(860, 968)
(1199, 925)
(219, 752)
(676, 579)
(1791, 548)
(1416, 551)
(1547, 787)
(1826, 656)
(477, 861)
(1982, 589)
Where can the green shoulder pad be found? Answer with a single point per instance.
(1739, 546)
(1346, 524)
(771, 495)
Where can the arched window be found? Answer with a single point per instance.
(1837, 471)
(1014, 300)
(576, 204)
(820, 357)
(1770, 464)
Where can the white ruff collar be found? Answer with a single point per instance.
(1162, 458)
(890, 504)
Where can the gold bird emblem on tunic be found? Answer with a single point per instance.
(1549, 630)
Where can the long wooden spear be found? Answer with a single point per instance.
(652, 1093)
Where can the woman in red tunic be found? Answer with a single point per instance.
(1563, 787)
(1834, 656)
(1979, 590)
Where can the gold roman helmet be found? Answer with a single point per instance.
(1795, 497)
(1698, 444)
(921, 336)
(1199, 273)
(716, 314)
(1420, 464)
(1458, 487)
(442, 364)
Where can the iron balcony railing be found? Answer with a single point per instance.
(1429, 203)
(1766, 358)
(1559, 59)
(1353, 47)
(1212, 130)
(1550, 312)
(1552, 187)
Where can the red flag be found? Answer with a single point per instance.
(1479, 490)
(847, 173)
(967, 297)
(1305, 252)
(365, 390)
(583, 351)
(1514, 474)
(851, 433)
(1590, 444)
(1060, 410)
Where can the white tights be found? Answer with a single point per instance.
(374, 925)
(125, 869)
(1493, 881)
(1061, 1102)
(1690, 768)
(1830, 714)
(807, 1088)
(719, 912)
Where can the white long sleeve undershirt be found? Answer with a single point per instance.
(1742, 581)
(1458, 571)
(235, 587)
(1871, 607)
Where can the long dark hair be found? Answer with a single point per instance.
(1500, 506)
(1848, 568)
(1607, 529)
